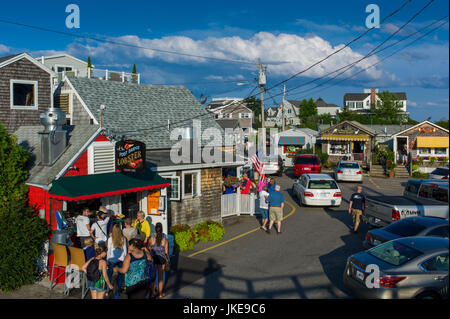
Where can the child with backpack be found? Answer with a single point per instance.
(96, 272)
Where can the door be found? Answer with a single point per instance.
(401, 142)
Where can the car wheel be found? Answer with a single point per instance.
(428, 295)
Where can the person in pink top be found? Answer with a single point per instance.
(248, 185)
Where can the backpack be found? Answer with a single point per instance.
(92, 271)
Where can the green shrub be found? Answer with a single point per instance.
(216, 231)
(209, 231)
(419, 175)
(184, 237)
(415, 167)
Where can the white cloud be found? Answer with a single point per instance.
(4, 49)
(300, 52)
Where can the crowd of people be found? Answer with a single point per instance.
(122, 258)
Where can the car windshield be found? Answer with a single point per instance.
(440, 171)
(404, 228)
(349, 165)
(394, 253)
(306, 160)
(322, 184)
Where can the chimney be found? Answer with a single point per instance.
(53, 138)
(372, 99)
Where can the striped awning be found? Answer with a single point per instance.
(291, 140)
(432, 141)
(337, 137)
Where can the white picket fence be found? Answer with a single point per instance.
(237, 204)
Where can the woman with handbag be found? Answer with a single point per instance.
(159, 250)
(134, 267)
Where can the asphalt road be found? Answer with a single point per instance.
(306, 261)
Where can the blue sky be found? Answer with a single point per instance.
(288, 35)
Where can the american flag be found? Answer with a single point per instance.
(259, 167)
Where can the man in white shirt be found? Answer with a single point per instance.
(83, 228)
(264, 207)
(100, 228)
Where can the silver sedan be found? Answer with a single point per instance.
(413, 267)
(348, 171)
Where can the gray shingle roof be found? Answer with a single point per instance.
(378, 129)
(321, 103)
(28, 137)
(363, 96)
(143, 108)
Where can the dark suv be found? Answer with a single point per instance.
(306, 163)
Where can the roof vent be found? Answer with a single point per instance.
(53, 138)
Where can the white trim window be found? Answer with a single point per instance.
(191, 184)
(428, 151)
(101, 158)
(174, 189)
(245, 115)
(24, 95)
(226, 116)
(338, 148)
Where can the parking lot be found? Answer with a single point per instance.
(306, 261)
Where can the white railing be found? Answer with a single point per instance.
(108, 75)
(237, 204)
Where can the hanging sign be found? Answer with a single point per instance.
(130, 156)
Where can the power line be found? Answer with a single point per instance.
(383, 59)
(371, 53)
(339, 50)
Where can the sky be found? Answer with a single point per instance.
(288, 36)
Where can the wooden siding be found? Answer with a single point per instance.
(207, 206)
(23, 70)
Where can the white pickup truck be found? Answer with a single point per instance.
(383, 210)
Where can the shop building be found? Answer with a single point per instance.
(291, 141)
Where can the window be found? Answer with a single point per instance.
(339, 148)
(440, 151)
(226, 116)
(191, 184)
(405, 228)
(174, 189)
(425, 151)
(24, 94)
(434, 192)
(245, 115)
(394, 253)
(61, 69)
(359, 105)
(322, 184)
(367, 103)
(439, 232)
(437, 263)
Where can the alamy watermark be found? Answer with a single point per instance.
(373, 19)
(73, 19)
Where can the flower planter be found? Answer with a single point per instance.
(391, 174)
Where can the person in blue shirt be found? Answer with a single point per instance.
(276, 202)
(272, 185)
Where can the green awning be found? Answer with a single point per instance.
(75, 188)
(291, 140)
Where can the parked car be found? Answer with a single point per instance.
(306, 163)
(433, 189)
(273, 165)
(411, 267)
(408, 227)
(439, 173)
(383, 210)
(317, 190)
(348, 171)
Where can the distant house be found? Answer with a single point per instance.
(325, 108)
(365, 102)
(288, 111)
(26, 89)
(232, 110)
(61, 63)
(292, 140)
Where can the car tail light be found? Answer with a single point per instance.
(391, 282)
(308, 194)
(395, 215)
(368, 237)
(445, 177)
(340, 172)
(338, 194)
(359, 172)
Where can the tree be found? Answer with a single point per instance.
(308, 111)
(389, 109)
(22, 233)
(134, 77)
(442, 123)
(254, 104)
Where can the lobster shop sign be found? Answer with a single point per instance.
(130, 156)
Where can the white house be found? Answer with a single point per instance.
(365, 102)
(289, 110)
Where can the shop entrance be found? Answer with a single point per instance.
(402, 148)
(130, 205)
(358, 150)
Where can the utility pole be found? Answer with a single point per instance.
(262, 82)
(282, 107)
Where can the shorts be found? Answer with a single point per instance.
(356, 213)
(264, 213)
(99, 286)
(276, 214)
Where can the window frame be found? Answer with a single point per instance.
(199, 175)
(24, 107)
(178, 178)
(422, 267)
